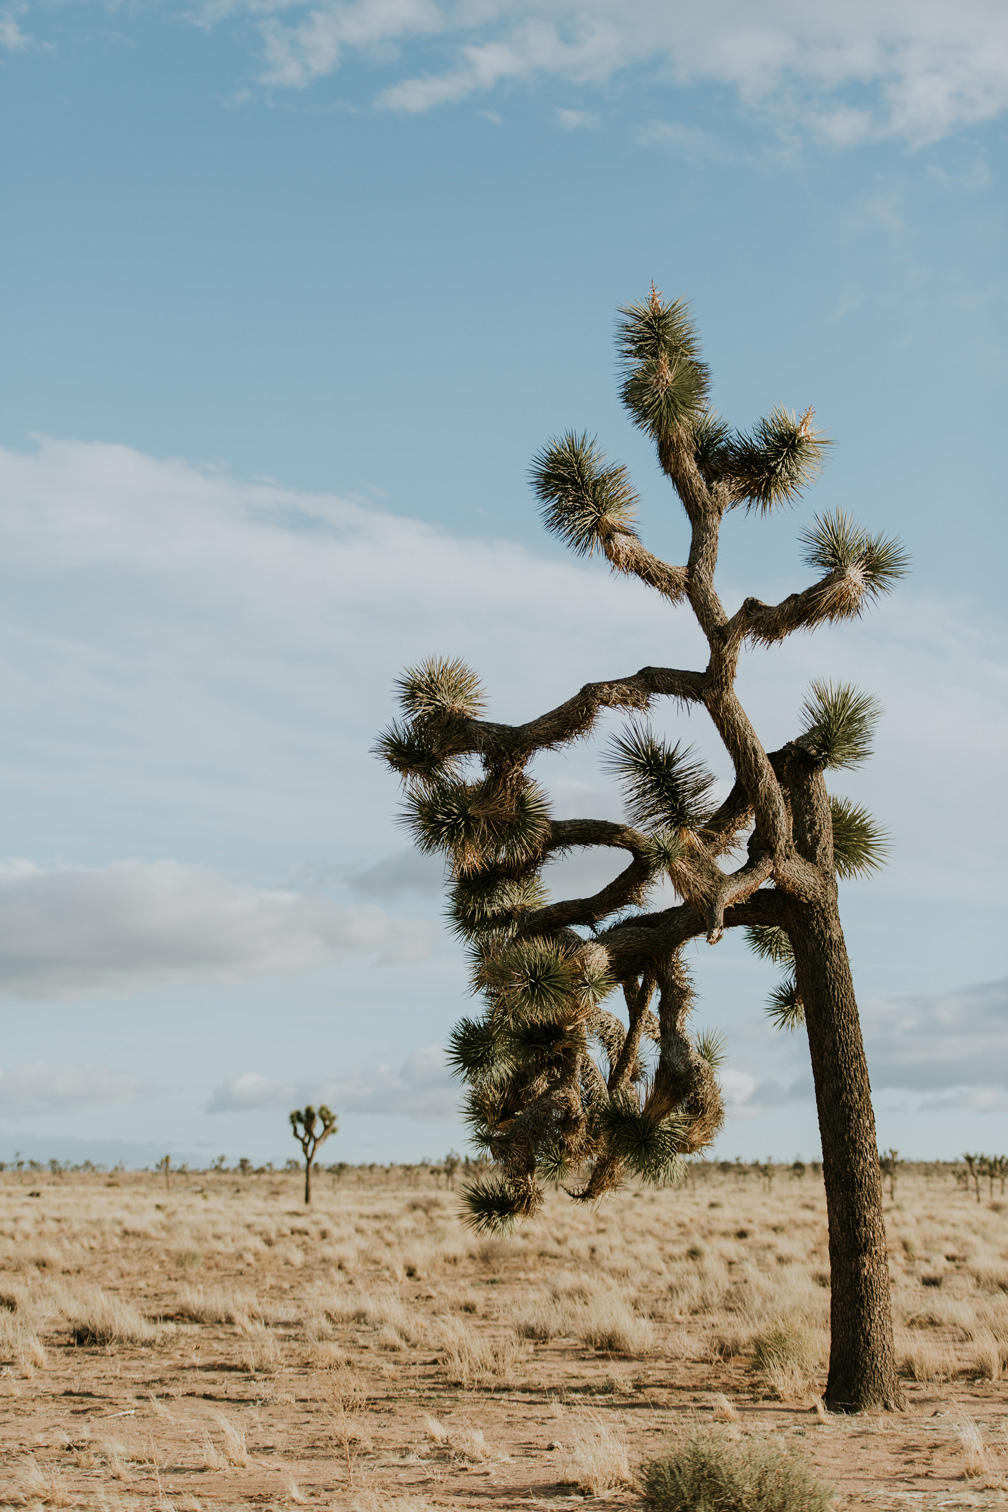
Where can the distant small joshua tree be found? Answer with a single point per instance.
(164, 1164)
(974, 1165)
(889, 1164)
(311, 1129)
(450, 1165)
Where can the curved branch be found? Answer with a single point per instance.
(625, 553)
(836, 596)
(570, 720)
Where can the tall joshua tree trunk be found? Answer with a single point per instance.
(558, 1081)
(862, 1369)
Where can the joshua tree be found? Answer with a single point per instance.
(557, 1081)
(310, 1130)
(974, 1167)
(889, 1166)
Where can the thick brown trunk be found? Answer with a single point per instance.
(862, 1368)
(307, 1182)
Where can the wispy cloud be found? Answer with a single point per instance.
(916, 69)
(420, 1087)
(688, 142)
(954, 1044)
(73, 931)
(64, 1087)
(11, 36)
(577, 120)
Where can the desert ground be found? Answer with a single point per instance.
(215, 1344)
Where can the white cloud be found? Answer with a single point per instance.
(952, 1046)
(64, 1087)
(688, 142)
(11, 36)
(421, 1087)
(577, 120)
(296, 55)
(252, 1092)
(72, 931)
(916, 69)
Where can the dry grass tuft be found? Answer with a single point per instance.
(218, 1304)
(723, 1410)
(929, 1362)
(974, 1454)
(471, 1360)
(785, 1355)
(609, 1325)
(706, 1471)
(233, 1439)
(98, 1318)
(598, 1460)
(260, 1353)
(43, 1486)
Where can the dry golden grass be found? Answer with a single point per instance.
(216, 1346)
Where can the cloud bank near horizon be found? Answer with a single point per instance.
(132, 926)
(420, 1087)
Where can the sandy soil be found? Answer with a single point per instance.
(217, 1345)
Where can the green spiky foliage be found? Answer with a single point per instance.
(492, 903)
(784, 1005)
(860, 844)
(584, 500)
(474, 826)
(834, 543)
(664, 381)
(712, 445)
(770, 943)
(776, 461)
(839, 724)
(666, 848)
(404, 749)
(441, 687)
(651, 1147)
(491, 1206)
(661, 784)
(712, 1047)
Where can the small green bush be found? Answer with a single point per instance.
(707, 1471)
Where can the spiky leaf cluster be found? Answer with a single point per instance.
(712, 1048)
(780, 457)
(474, 827)
(711, 438)
(661, 784)
(664, 381)
(408, 751)
(492, 1205)
(665, 849)
(784, 1005)
(860, 844)
(650, 1147)
(441, 687)
(873, 564)
(770, 943)
(491, 903)
(839, 724)
(585, 500)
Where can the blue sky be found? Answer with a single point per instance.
(291, 295)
